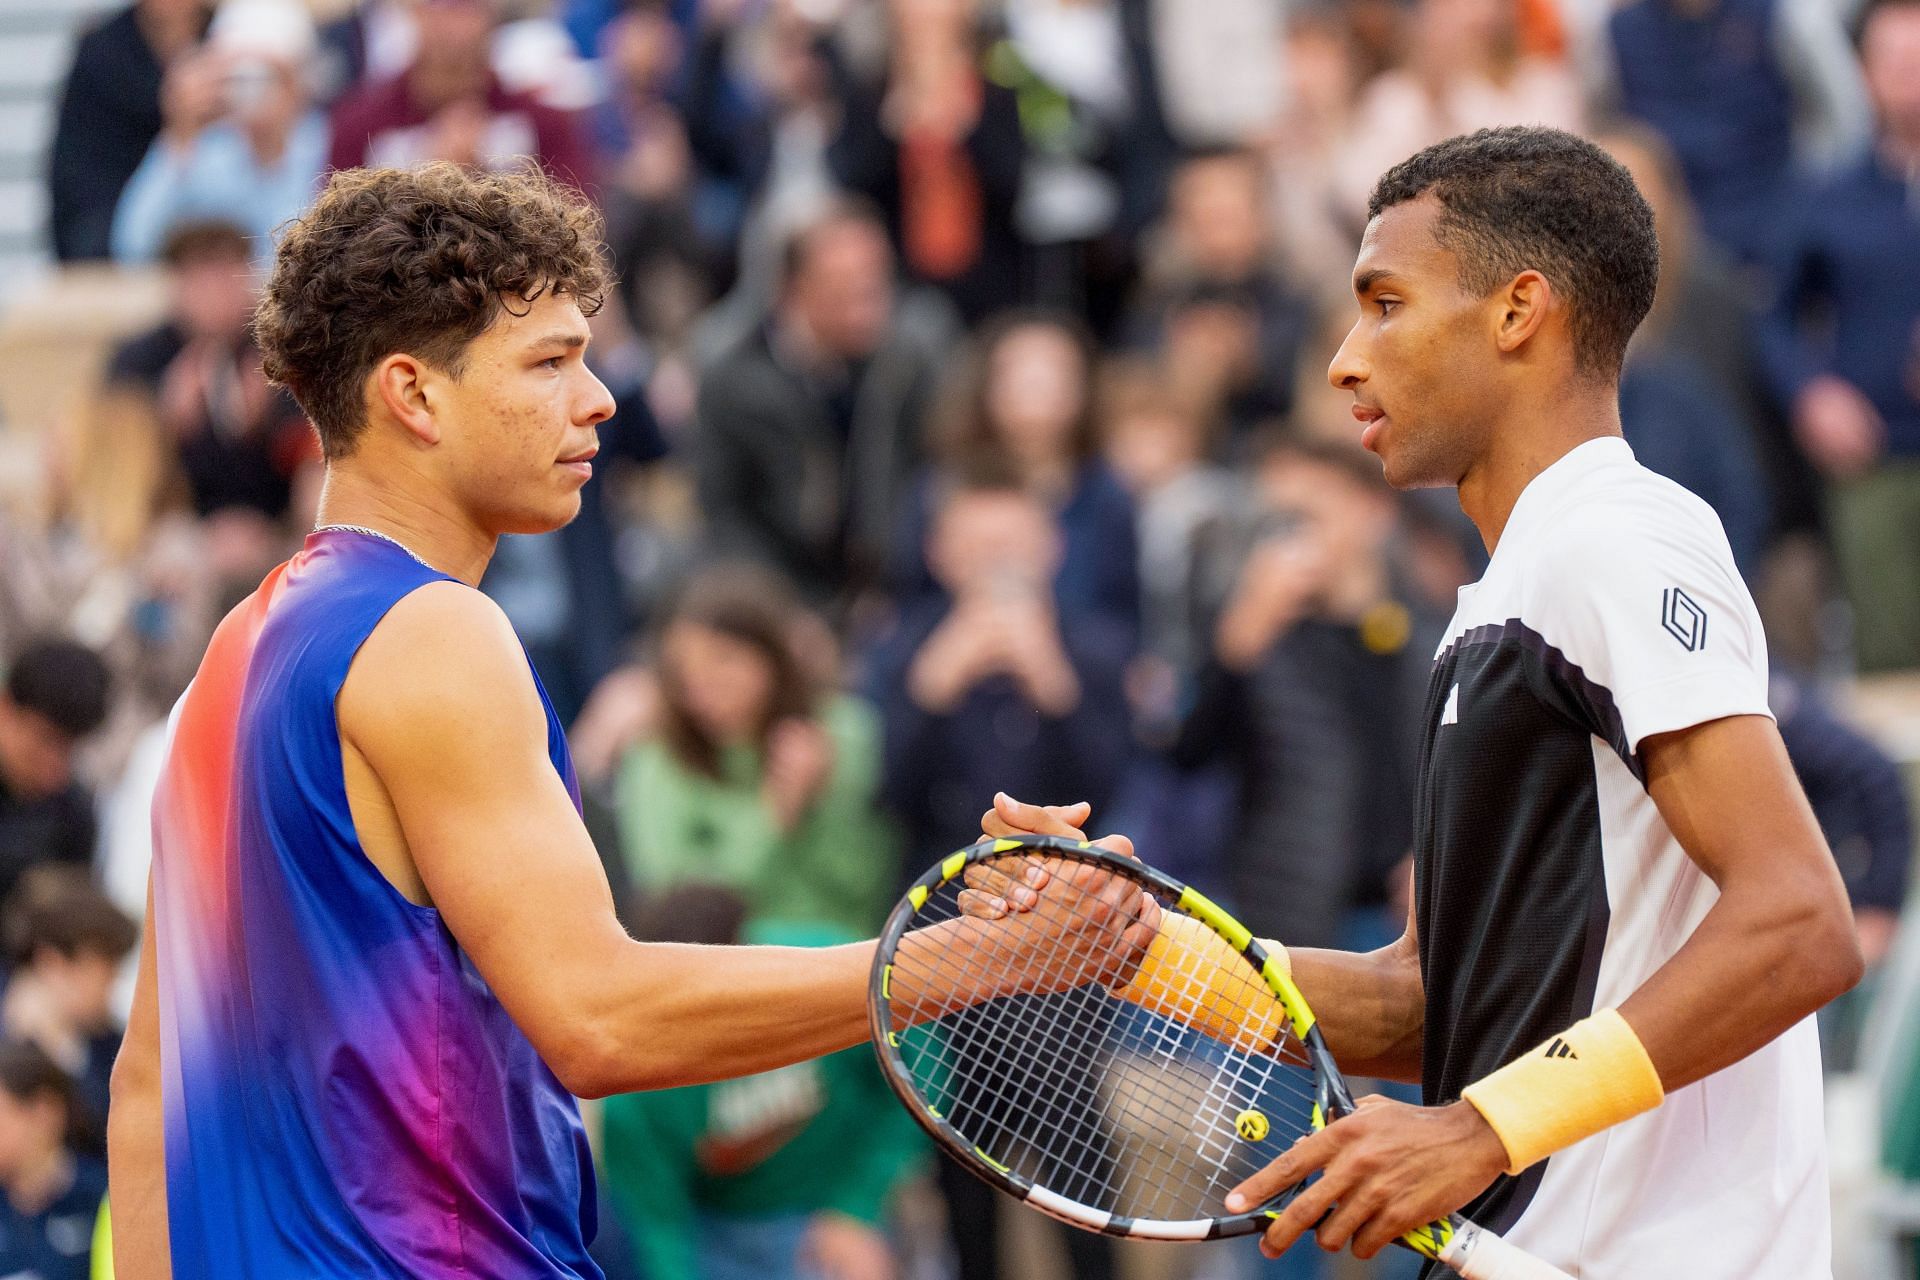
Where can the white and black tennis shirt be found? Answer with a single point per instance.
(1547, 885)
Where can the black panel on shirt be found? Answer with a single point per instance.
(1509, 884)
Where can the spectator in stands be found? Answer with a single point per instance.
(373, 41)
(809, 431)
(55, 697)
(241, 141)
(1024, 405)
(1732, 85)
(1843, 345)
(993, 677)
(938, 147)
(449, 105)
(239, 441)
(1319, 684)
(1228, 324)
(110, 115)
(1466, 68)
(65, 942)
(52, 1191)
(785, 1174)
(757, 777)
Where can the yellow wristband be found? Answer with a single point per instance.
(1588, 1078)
(1192, 974)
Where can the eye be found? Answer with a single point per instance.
(1386, 305)
(553, 362)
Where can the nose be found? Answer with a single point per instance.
(1349, 368)
(597, 402)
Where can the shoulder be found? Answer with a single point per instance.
(1623, 519)
(442, 663)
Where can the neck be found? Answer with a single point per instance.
(40, 1180)
(433, 532)
(1525, 443)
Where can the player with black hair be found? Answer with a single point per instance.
(1624, 912)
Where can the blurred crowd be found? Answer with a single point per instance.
(973, 435)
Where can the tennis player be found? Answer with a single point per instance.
(381, 953)
(1624, 914)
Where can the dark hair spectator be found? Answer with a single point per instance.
(52, 1190)
(56, 695)
(1023, 405)
(809, 430)
(757, 776)
(109, 116)
(65, 942)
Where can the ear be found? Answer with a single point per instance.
(1523, 305)
(403, 388)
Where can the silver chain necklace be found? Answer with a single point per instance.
(374, 533)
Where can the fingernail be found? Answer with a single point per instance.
(1236, 1203)
(1000, 796)
(1025, 897)
(1035, 876)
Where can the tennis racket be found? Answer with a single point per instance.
(1125, 1109)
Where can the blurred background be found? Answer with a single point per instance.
(973, 435)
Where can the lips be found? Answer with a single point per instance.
(585, 455)
(1373, 419)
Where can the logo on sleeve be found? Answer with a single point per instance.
(1684, 620)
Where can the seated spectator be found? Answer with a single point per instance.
(938, 147)
(1841, 352)
(809, 431)
(239, 441)
(241, 140)
(1745, 92)
(110, 115)
(1227, 324)
(757, 777)
(1319, 686)
(1024, 405)
(449, 105)
(65, 943)
(1466, 68)
(991, 680)
(787, 1173)
(52, 1189)
(55, 697)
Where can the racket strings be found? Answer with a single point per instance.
(1118, 1105)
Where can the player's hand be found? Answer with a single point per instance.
(1387, 1169)
(1013, 883)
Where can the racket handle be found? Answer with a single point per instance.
(1478, 1254)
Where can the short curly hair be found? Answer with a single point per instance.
(418, 261)
(1529, 198)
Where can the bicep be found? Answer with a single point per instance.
(442, 705)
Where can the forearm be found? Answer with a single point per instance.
(1764, 958)
(136, 1164)
(1371, 1007)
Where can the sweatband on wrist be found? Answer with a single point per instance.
(1590, 1077)
(1193, 975)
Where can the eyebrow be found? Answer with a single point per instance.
(570, 340)
(1367, 281)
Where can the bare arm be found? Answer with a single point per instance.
(1371, 1006)
(136, 1158)
(1779, 943)
(1775, 947)
(441, 704)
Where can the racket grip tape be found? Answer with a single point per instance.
(1478, 1254)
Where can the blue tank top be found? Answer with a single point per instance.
(343, 1094)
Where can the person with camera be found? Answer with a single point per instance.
(241, 139)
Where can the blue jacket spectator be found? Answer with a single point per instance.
(219, 174)
(1729, 83)
(990, 684)
(1678, 427)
